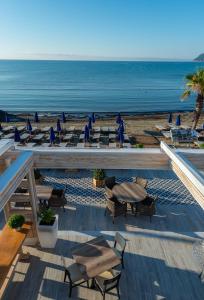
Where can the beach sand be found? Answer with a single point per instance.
(141, 128)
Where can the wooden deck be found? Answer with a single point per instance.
(158, 261)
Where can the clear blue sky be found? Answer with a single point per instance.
(102, 28)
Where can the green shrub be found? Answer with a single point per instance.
(140, 146)
(201, 146)
(47, 216)
(16, 221)
(99, 174)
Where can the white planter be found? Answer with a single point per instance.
(48, 234)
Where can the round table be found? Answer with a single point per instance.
(129, 192)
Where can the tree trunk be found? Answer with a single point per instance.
(198, 110)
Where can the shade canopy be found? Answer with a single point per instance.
(86, 133)
(29, 126)
(170, 118)
(118, 118)
(36, 118)
(63, 118)
(17, 137)
(93, 118)
(52, 135)
(90, 123)
(59, 129)
(178, 120)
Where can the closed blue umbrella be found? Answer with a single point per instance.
(17, 137)
(178, 120)
(7, 119)
(90, 123)
(59, 128)
(52, 135)
(121, 126)
(29, 126)
(170, 118)
(63, 118)
(86, 133)
(118, 118)
(121, 137)
(93, 118)
(36, 118)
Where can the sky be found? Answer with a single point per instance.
(101, 29)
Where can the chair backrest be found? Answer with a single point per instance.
(66, 269)
(141, 181)
(120, 242)
(110, 182)
(110, 284)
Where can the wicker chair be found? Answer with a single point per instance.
(57, 198)
(119, 247)
(114, 207)
(110, 182)
(74, 275)
(108, 281)
(141, 181)
(146, 207)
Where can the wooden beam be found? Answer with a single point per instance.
(187, 173)
(13, 175)
(101, 158)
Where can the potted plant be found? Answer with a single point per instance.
(98, 178)
(47, 228)
(16, 221)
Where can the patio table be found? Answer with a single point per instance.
(95, 257)
(129, 192)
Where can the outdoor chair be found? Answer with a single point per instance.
(57, 198)
(119, 247)
(110, 182)
(114, 207)
(74, 275)
(146, 207)
(108, 281)
(141, 181)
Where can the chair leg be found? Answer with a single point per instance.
(104, 296)
(65, 275)
(105, 212)
(118, 292)
(70, 291)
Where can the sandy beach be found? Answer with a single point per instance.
(140, 128)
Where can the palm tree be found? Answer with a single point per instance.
(195, 84)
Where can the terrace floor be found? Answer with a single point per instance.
(158, 261)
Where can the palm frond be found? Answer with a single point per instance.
(186, 94)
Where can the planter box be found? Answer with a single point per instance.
(98, 182)
(47, 234)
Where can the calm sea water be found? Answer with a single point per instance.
(73, 86)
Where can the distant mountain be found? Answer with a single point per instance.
(200, 57)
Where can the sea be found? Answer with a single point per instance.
(94, 86)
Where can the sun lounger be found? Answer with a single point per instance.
(112, 136)
(95, 145)
(126, 137)
(68, 137)
(81, 137)
(21, 128)
(45, 129)
(96, 136)
(166, 134)
(112, 129)
(9, 136)
(38, 138)
(96, 129)
(8, 128)
(27, 145)
(126, 145)
(81, 145)
(25, 136)
(105, 129)
(70, 129)
(62, 145)
(162, 128)
(112, 145)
